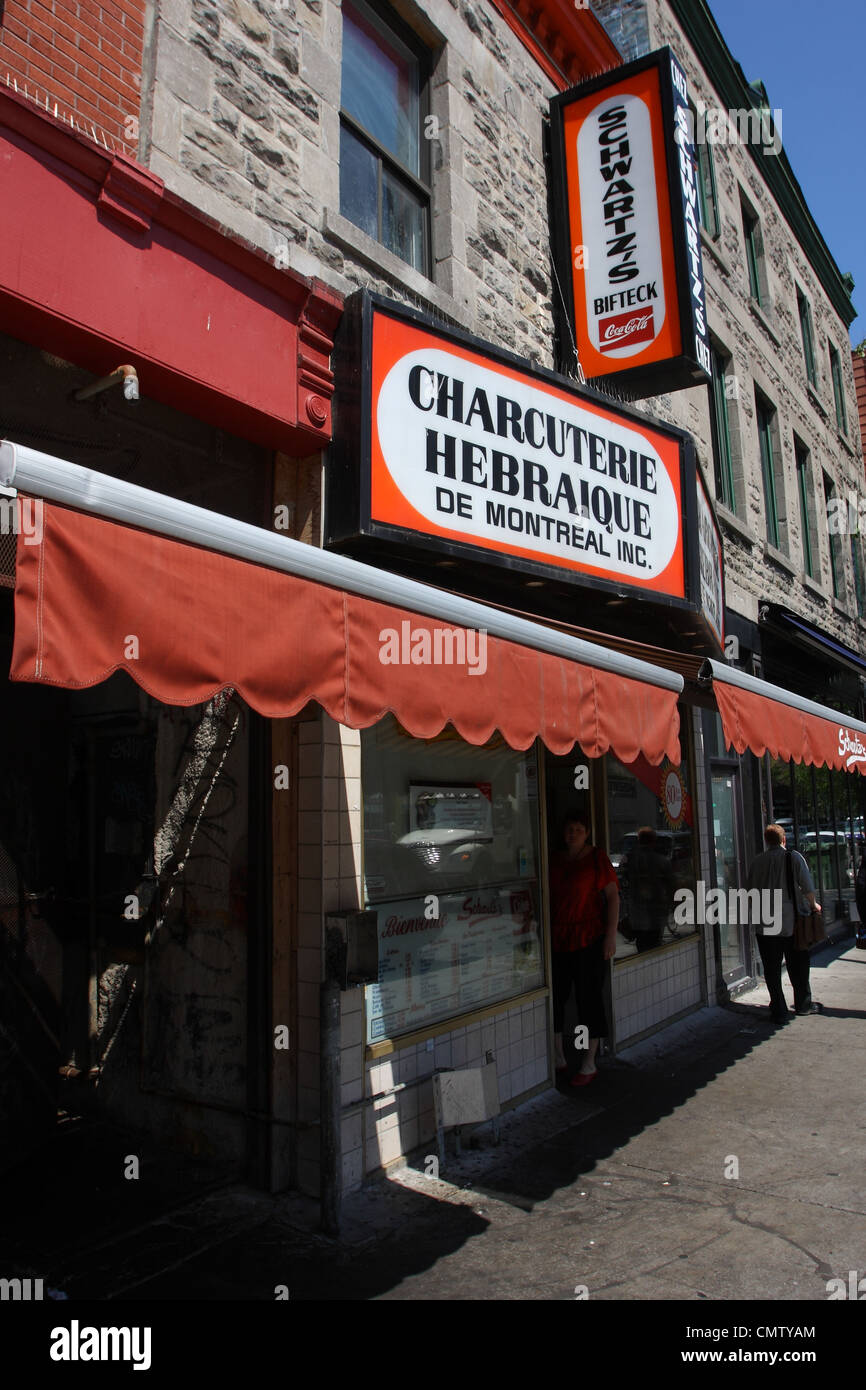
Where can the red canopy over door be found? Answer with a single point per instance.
(93, 597)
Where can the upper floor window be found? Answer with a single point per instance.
(721, 431)
(838, 390)
(801, 456)
(384, 158)
(857, 567)
(835, 540)
(752, 234)
(706, 189)
(769, 466)
(707, 198)
(805, 316)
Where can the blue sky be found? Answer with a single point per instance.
(810, 57)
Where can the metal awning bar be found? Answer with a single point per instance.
(42, 475)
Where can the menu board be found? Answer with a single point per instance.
(484, 945)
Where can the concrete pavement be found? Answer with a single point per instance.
(722, 1159)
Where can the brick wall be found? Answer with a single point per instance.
(85, 56)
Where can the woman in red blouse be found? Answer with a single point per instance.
(584, 897)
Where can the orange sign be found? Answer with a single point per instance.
(468, 448)
(628, 237)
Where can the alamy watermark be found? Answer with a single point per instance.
(748, 126)
(846, 516)
(22, 516)
(762, 907)
(438, 646)
(855, 1289)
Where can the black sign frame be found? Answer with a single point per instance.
(349, 526)
(672, 374)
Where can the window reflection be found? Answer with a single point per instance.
(451, 870)
(650, 867)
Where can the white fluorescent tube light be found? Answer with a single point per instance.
(58, 480)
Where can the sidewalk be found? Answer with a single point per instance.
(621, 1189)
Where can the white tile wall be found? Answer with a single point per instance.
(648, 991)
(395, 1125)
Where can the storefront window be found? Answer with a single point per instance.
(650, 867)
(783, 799)
(451, 869)
(828, 827)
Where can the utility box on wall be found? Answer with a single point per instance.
(352, 947)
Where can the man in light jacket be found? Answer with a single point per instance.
(776, 937)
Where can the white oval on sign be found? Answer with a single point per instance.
(620, 223)
(522, 469)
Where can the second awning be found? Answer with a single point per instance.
(765, 718)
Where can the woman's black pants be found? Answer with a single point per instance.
(585, 969)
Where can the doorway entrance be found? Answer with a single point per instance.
(728, 845)
(574, 785)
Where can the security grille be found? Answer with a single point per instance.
(7, 560)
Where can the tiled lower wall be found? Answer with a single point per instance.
(380, 1131)
(649, 989)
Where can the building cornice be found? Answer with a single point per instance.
(567, 42)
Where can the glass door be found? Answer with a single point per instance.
(727, 839)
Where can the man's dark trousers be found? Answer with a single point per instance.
(772, 949)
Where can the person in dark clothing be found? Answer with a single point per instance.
(775, 938)
(584, 897)
(650, 890)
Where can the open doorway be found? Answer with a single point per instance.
(574, 786)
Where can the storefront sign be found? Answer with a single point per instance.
(447, 446)
(626, 227)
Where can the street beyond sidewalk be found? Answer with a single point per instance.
(720, 1160)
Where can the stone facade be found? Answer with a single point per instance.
(765, 351)
(246, 125)
(243, 99)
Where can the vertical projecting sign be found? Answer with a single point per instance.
(626, 228)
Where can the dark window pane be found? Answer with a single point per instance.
(402, 221)
(750, 229)
(838, 391)
(721, 435)
(769, 472)
(835, 542)
(806, 332)
(802, 459)
(381, 85)
(707, 190)
(359, 181)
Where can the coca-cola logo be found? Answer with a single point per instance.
(626, 328)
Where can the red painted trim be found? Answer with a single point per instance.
(98, 257)
(567, 43)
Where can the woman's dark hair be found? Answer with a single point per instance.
(577, 817)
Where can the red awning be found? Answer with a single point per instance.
(93, 597)
(765, 718)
